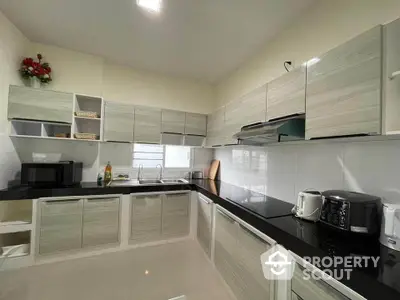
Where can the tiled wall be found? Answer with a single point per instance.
(282, 171)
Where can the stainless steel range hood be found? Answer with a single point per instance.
(290, 128)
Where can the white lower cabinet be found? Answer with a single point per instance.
(100, 221)
(159, 216)
(204, 223)
(73, 224)
(238, 248)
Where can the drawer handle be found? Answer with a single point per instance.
(49, 202)
(231, 220)
(252, 233)
(205, 200)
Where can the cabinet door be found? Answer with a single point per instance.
(250, 248)
(253, 106)
(312, 289)
(100, 221)
(344, 89)
(173, 121)
(118, 122)
(147, 125)
(226, 252)
(196, 124)
(146, 218)
(60, 225)
(287, 94)
(175, 215)
(215, 123)
(204, 223)
(39, 104)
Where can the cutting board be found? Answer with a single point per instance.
(213, 169)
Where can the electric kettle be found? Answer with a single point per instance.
(390, 229)
(308, 206)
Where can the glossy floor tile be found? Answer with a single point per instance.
(151, 273)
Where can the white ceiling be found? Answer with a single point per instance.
(201, 39)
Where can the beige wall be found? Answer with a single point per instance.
(93, 75)
(327, 24)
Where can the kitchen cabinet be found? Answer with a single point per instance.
(175, 215)
(344, 89)
(215, 123)
(118, 122)
(100, 221)
(147, 127)
(287, 94)
(60, 225)
(196, 124)
(237, 257)
(204, 223)
(391, 66)
(253, 106)
(173, 121)
(146, 212)
(315, 286)
(39, 104)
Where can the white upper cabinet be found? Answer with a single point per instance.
(253, 105)
(147, 125)
(344, 89)
(391, 109)
(196, 124)
(215, 122)
(173, 121)
(287, 94)
(118, 122)
(39, 104)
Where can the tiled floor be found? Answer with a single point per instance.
(151, 273)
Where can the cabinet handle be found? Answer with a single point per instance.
(148, 196)
(176, 194)
(231, 220)
(205, 200)
(101, 200)
(253, 234)
(49, 202)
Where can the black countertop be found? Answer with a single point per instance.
(272, 217)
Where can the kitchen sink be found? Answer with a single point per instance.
(149, 181)
(174, 181)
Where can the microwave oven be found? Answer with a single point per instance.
(61, 174)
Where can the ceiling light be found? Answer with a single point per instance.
(150, 5)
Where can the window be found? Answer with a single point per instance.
(167, 156)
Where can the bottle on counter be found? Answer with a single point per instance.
(108, 173)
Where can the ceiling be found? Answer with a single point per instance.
(200, 39)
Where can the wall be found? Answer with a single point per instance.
(283, 171)
(12, 48)
(83, 73)
(327, 24)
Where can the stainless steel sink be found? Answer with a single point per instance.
(174, 181)
(149, 181)
(124, 183)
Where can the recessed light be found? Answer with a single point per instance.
(150, 5)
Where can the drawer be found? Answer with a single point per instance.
(313, 289)
(96, 204)
(56, 207)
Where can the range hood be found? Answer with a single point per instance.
(289, 128)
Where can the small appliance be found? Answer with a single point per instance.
(197, 175)
(308, 206)
(60, 174)
(351, 212)
(390, 229)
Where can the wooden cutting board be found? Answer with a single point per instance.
(213, 169)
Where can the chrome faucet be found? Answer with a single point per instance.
(161, 171)
(139, 174)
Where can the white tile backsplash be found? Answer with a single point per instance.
(282, 171)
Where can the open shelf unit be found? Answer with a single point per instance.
(38, 129)
(89, 125)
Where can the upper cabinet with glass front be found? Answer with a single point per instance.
(344, 89)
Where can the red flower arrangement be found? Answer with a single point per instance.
(30, 68)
